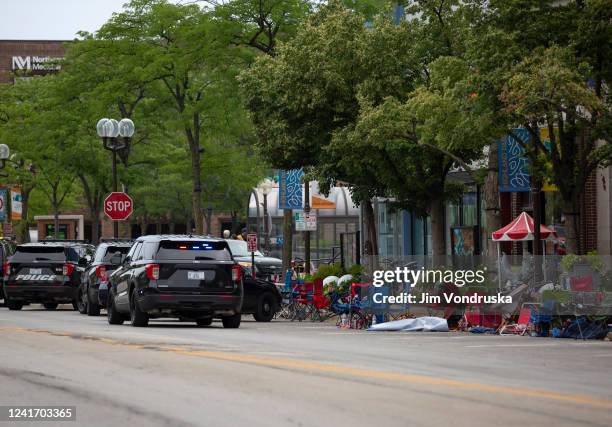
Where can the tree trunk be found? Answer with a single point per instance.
(24, 235)
(371, 237)
(287, 238)
(436, 212)
(95, 226)
(571, 213)
(196, 196)
(491, 196)
(55, 218)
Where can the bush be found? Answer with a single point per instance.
(326, 270)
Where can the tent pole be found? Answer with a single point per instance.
(544, 259)
(499, 266)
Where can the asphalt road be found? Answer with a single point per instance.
(296, 374)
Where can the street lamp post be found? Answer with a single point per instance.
(109, 130)
(266, 188)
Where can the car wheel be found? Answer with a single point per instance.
(13, 305)
(81, 300)
(231, 322)
(50, 305)
(113, 316)
(266, 308)
(93, 309)
(204, 321)
(138, 317)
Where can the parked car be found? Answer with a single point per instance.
(47, 272)
(93, 290)
(186, 277)
(262, 298)
(266, 267)
(6, 250)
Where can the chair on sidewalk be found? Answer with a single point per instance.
(521, 325)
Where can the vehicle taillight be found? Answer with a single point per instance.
(101, 273)
(152, 271)
(6, 268)
(236, 273)
(68, 269)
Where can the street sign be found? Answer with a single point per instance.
(305, 221)
(118, 206)
(251, 240)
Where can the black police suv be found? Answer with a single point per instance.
(262, 298)
(47, 272)
(268, 268)
(188, 277)
(6, 250)
(93, 290)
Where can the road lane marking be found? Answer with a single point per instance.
(308, 366)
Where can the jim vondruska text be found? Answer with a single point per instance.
(450, 297)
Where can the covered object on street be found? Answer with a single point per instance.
(425, 324)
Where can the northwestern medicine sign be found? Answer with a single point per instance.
(36, 63)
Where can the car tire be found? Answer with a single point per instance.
(93, 309)
(50, 305)
(138, 318)
(204, 321)
(113, 316)
(231, 322)
(75, 305)
(266, 307)
(81, 300)
(13, 305)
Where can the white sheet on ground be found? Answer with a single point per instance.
(427, 324)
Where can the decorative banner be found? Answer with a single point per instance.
(16, 204)
(513, 172)
(513, 165)
(290, 189)
(3, 197)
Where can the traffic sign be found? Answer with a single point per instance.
(118, 206)
(251, 242)
(305, 221)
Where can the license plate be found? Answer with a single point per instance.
(196, 275)
(35, 270)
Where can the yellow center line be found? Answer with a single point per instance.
(308, 366)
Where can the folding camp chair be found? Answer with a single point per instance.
(520, 327)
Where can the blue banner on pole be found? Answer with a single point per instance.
(513, 165)
(290, 189)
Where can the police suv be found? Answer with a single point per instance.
(48, 273)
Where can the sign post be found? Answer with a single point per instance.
(252, 247)
(118, 206)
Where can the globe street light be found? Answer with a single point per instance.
(4, 155)
(109, 130)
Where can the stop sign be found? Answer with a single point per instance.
(118, 206)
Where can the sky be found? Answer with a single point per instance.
(53, 19)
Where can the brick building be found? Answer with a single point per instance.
(26, 58)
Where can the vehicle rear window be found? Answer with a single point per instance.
(193, 250)
(39, 253)
(112, 250)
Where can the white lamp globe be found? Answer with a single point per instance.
(4, 152)
(112, 128)
(126, 128)
(101, 128)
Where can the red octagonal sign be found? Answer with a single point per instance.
(118, 206)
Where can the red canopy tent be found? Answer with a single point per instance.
(521, 229)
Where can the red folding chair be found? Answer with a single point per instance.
(521, 325)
